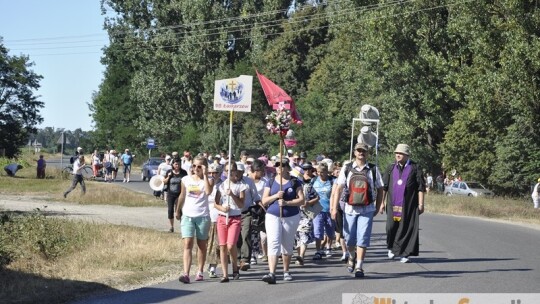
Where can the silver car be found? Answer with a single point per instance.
(467, 189)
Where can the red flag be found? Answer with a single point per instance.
(275, 95)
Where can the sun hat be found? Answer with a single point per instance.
(403, 149)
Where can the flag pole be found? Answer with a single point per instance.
(230, 165)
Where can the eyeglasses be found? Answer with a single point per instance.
(197, 166)
(361, 150)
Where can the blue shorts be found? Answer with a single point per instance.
(197, 227)
(357, 229)
(322, 224)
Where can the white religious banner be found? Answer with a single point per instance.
(233, 94)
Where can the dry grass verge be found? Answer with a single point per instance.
(82, 257)
(97, 193)
(512, 210)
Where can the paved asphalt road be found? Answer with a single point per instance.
(458, 255)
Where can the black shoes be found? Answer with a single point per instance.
(269, 278)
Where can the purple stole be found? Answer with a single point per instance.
(398, 189)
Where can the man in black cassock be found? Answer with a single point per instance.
(404, 188)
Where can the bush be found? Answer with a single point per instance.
(31, 234)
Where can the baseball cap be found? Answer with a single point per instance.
(362, 146)
(284, 163)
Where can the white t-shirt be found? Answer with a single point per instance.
(251, 194)
(76, 166)
(196, 203)
(534, 194)
(164, 167)
(211, 201)
(114, 161)
(187, 166)
(260, 186)
(236, 189)
(344, 180)
(95, 159)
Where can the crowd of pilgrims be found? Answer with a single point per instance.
(249, 211)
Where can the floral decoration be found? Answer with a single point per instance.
(279, 121)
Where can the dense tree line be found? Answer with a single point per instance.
(19, 106)
(458, 80)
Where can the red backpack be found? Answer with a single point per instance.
(358, 191)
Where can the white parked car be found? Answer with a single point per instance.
(467, 189)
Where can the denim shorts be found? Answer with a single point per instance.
(197, 227)
(323, 224)
(357, 229)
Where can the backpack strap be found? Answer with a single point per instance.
(348, 169)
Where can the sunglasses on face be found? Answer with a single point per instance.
(197, 166)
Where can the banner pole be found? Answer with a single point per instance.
(230, 159)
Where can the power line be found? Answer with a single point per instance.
(202, 23)
(128, 45)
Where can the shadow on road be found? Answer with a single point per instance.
(139, 296)
(47, 290)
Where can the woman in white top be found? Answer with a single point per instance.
(193, 209)
(229, 203)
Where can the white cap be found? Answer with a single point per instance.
(79, 149)
(240, 166)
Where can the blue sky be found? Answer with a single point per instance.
(64, 39)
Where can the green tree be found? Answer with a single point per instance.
(19, 106)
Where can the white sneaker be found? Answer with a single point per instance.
(253, 261)
(344, 257)
(405, 260)
(124, 180)
(390, 254)
(287, 277)
(328, 252)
